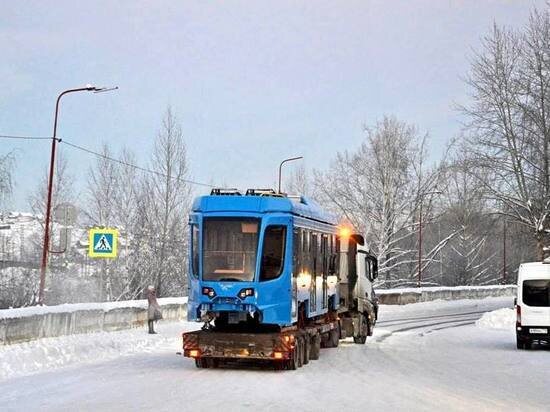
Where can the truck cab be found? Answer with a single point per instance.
(533, 304)
(359, 270)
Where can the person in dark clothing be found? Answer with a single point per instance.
(153, 310)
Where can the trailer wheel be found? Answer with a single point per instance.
(360, 339)
(307, 349)
(334, 338)
(300, 350)
(292, 363)
(315, 347)
(325, 340)
(201, 363)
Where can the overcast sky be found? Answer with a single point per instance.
(252, 82)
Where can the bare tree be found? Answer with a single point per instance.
(62, 191)
(509, 125)
(7, 163)
(299, 182)
(378, 189)
(103, 184)
(165, 204)
(470, 258)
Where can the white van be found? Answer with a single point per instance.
(533, 304)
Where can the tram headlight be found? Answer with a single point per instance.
(244, 293)
(208, 292)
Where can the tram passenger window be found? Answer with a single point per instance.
(273, 253)
(297, 252)
(324, 254)
(195, 250)
(313, 254)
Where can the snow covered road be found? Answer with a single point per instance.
(426, 356)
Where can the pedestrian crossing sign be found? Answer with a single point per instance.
(102, 243)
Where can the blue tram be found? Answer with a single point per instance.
(261, 259)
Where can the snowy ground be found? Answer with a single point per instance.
(425, 356)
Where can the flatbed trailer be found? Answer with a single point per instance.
(289, 348)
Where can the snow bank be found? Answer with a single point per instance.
(50, 353)
(501, 319)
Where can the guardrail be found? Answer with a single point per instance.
(415, 295)
(25, 324)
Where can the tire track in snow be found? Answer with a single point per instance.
(462, 319)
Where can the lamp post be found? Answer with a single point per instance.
(281, 166)
(45, 249)
(419, 283)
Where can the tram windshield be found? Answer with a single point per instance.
(229, 249)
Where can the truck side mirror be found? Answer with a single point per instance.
(374, 268)
(515, 301)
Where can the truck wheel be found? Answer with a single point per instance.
(315, 347)
(360, 339)
(519, 343)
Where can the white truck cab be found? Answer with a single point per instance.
(533, 304)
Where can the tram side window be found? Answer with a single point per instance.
(313, 254)
(324, 254)
(273, 253)
(297, 252)
(195, 250)
(336, 255)
(306, 245)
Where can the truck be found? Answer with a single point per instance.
(274, 278)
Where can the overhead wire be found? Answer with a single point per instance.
(7, 136)
(63, 141)
(111, 159)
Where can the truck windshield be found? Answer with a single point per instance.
(536, 292)
(229, 249)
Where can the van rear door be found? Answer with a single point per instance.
(536, 302)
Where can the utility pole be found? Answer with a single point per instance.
(45, 248)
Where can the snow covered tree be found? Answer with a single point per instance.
(299, 182)
(62, 191)
(470, 257)
(509, 123)
(7, 162)
(164, 206)
(378, 189)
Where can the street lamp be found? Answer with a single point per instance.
(437, 192)
(281, 166)
(45, 249)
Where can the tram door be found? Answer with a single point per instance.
(311, 244)
(324, 267)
